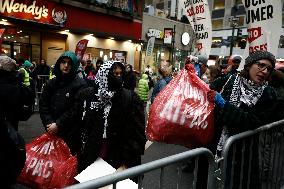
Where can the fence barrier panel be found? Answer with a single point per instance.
(151, 166)
(254, 159)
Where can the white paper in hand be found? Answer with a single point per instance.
(97, 169)
(101, 168)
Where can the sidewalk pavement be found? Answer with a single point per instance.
(31, 128)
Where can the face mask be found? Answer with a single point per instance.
(115, 83)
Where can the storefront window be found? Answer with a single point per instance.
(281, 42)
(106, 54)
(241, 21)
(21, 44)
(217, 24)
(219, 4)
(216, 42)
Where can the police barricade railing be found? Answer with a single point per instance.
(140, 170)
(40, 81)
(254, 159)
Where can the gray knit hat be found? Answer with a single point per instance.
(7, 63)
(202, 59)
(258, 55)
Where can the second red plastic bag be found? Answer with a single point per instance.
(181, 113)
(49, 164)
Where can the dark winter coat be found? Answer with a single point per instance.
(13, 96)
(130, 80)
(41, 69)
(125, 132)
(56, 100)
(243, 118)
(159, 86)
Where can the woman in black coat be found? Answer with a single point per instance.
(113, 124)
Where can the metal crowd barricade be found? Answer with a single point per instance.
(254, 159)
(161, 164)
(39, 83)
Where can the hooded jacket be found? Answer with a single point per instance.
(159, 86)
(58, 97)
(143, 88)
(119, 113)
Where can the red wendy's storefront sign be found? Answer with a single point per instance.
(38, 11)
(47, 12)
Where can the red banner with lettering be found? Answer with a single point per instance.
(81, 48)
(181, 113)
(2, 30)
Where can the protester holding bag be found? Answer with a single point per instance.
(58, 97)
(245, 102)
(13, 97)
(113, 124)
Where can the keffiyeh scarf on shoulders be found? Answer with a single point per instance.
(104, 94)
(244, 91)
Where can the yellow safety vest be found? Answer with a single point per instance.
(26, 77)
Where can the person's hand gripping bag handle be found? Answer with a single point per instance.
(181, 113)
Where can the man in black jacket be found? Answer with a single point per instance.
(58, 97)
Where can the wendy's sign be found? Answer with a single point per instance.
(37, 11)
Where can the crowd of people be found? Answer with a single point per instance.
(99, 109)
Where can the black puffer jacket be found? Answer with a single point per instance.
(57, 99)
(125, 132)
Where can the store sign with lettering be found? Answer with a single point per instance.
(198, 14)
(155, 33)
(38, 11)
(264, 21)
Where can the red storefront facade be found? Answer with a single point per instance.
(34, 28)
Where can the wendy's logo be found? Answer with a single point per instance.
(59, 16)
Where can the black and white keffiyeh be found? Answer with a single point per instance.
(104, 94)
(245, 91)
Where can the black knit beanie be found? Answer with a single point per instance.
(258, 55)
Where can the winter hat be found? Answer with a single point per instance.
(7, 63)
(258, 55)
(28, 64)
(202, 59)
(237, 59)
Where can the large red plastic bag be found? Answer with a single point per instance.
(181, 113)
(49, 164)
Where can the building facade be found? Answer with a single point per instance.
(222, 12)
(41, 29)
(173, 41)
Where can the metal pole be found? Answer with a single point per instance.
(234, 24)
(173, 44)
(232, 40)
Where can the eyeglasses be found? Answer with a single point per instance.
(262, 66)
